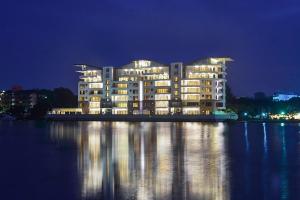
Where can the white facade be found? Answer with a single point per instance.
(151, 88)
(284, 96)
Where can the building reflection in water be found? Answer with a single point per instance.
(121, 160)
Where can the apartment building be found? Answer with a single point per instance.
(151, 88)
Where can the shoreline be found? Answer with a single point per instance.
(153, 120)
(163, 118)
(141, 118)
(146, 118)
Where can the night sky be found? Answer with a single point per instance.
(41, 40)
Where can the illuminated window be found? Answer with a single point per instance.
(95, 85)
(94, 104)
(162, 91)
(135, 105)
(142, 63)
(92, 79)
(82, 86)
(121, 91)
(201, 75)
(207, 83)
(120, 111)
(162, 83)
(206, 89)
(95, 92)
(161, 103)
(147, 90)
(121, 104)
(162, 97)
(162, 111)
(190, 97)
(190, 89)
(123, 79)
(147, 83)
(121, 85)
(120, 98)
(155, 70)
(81, 98)
(91, 73)
(97, 99)
(191, 82)
(157, 77)
(191, 111)
(207, 97)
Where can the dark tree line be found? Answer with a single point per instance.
(259, 104)
(46, 100)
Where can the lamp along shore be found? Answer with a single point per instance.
(145, 90)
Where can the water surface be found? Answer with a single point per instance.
(145, 160)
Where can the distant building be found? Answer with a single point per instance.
(281, 96)
(2, 105)
(19, 98)
(151, 88)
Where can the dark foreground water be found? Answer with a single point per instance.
(120, 160)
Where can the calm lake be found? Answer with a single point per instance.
(145, 160)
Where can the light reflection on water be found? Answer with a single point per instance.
(120, 160)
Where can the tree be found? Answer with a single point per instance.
(230, 98)
(259, 95)
(64, 98)
(17, 111)
(39, 110)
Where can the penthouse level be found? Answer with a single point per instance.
(150, 88)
